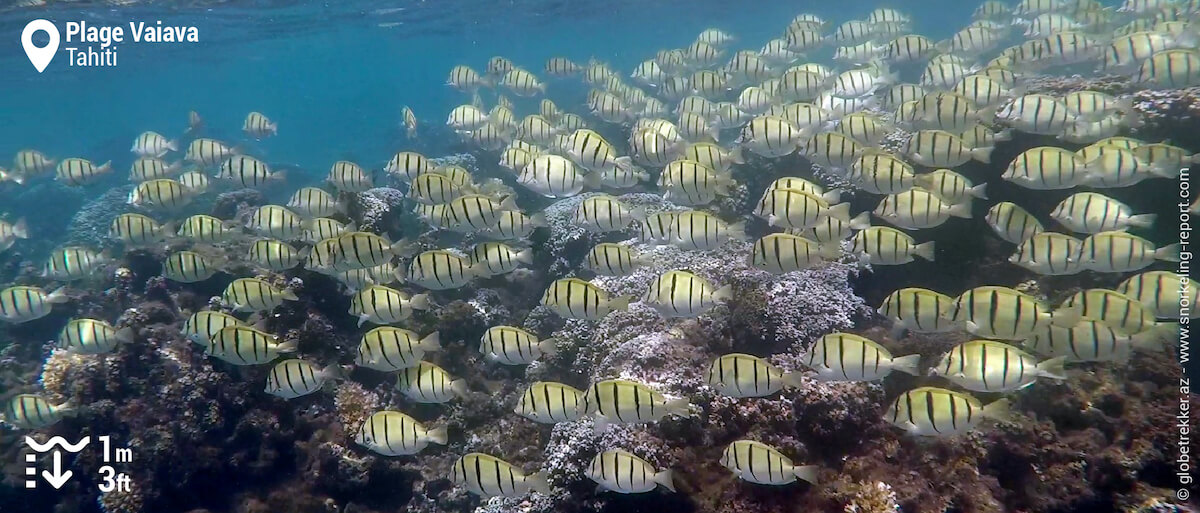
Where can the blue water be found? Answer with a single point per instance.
(334, 80)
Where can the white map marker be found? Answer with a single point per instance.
(40, 57)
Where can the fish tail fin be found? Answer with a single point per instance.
(983, 154)
(67, 409)
(592, 180)
(538, 483)
(681, 407)
(978, 191)
(962, 210)
(419, 302)
(548, 346)
(737, 231)
(830, 251)
(1168, 253)
(1142, 220)
(861, 221)
(278, 176)
(287, 346)
(538, 220)
(1053, 368)
(840, 211)
(909, 364)
(431, 342)
(806, 473)
(619, 303)
(925, 250)
(723, 294)
(737, 156)
(998, 410)
(638, 214)
(793, 379)
(20, 229)
(666, 478)
(1066, 317)
(438, 435)
(404, 248)
(58, 296)
(1163, 170)
(126, 334)
(459, 387)
(290, 295)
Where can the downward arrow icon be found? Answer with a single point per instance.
(59, 477)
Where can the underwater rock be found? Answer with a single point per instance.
(378, 210)
(89, 227)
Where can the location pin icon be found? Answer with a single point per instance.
(40, 57)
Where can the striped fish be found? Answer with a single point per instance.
(618, 401)
(277, 222)
(760, 463)
(938, 148)
(743, 375)
(433, 189)
(190, 267)
(428, 383)
(701, 231)
(1050, 254)
(713, 156)
(548, 402)
(362, 250)
(612, 259)
(849, 357)
(603, 213)
(1013, 223)
(410, 121)
(950, 187)
(248, 171)
(314, 202)
(1119, 252)
(514, 225)
(259, 126)
(621, 471)
(916, 309)
(574, 298)
(74, 263)
(496, 258)
(879, 172)
(23, 304)
(683, 294)
(1094, 341)
(152, 144)
(384, 305)
(833, 150)
(392, 433)
(208, 229)
(194, 181)
(1124, 313)
(208, 152)
(274, 255)
(203, 325)
(781, 253)
(464, 78)
(929, 411)
(1005, 314)
(1160, 292)
(883, 245)
(76, 171)
(799, 210)
(163, 194)
(522, 82)
(294, 378)
(255, 295)
(32, 163)
(390, 349)
(465, 117)
(918, 208)
(489, 476)
(28, 411)
(771, 136)
(243, 345)
(687, 182)
(91, 336)
(150, 168)
(1173, 69)
(347, 176)
(443, 270)
(474, 213)
(514, 346)
(990, 366)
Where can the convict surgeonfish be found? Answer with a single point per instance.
(443, 270)
(548, 402)
(621, 471)
(990, 366)
(781, 253)
(277, 222)
(388, 349)
(743, 375)
(274, 255)
(489, 476)
(259, 126)
(1119, 252)
(314, 202)
(1160, 292)
(849, 357)
(1124, 313)
(164, 194)
(294, 378)
(574, 298)
(209, 152)
(385, 305)
(514, 346)
(74, 263)
(681, 293)
(884, 245)
(248, 171)
(1012, 223)
(208, 229)
(23, 304)
(1005, 314)
(203, 325)
(619, 401)
(612, 259)
(91, 336)
(929, 411)
(347, 176)
(255, 295)
(428, 383)
(760, 463)
(392, 433)
(603, 213)
(191, 267)
(28, 411)
(243, 345)
(152, 144)
(1092, 340)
